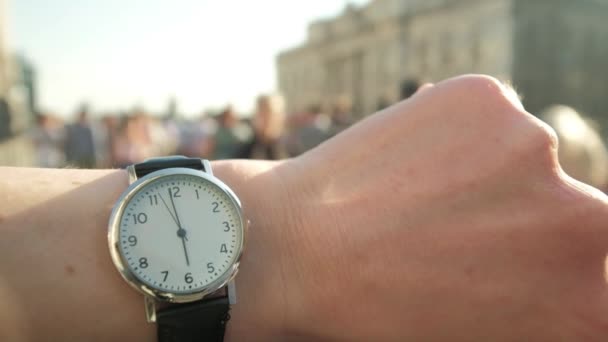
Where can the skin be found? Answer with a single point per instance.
(443, 218)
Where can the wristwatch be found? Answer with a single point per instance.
(176, 235)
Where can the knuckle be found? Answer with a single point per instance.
(483, 99)
(484, 82)
(492, 92)
(545, 137)
(540, 145)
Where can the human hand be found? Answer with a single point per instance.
(445, 218)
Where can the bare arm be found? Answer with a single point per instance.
(57, 281)
(443, 218)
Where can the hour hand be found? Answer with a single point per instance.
(182, 234)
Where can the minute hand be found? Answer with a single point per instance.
(179, 224)
(169, 210)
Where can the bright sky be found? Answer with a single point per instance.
(116, 54)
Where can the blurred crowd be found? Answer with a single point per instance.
(116, 141)
(121, 140)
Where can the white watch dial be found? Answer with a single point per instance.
(180, 233)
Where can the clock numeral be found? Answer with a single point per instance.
(132, 240)
(175, 192)
(143, 262)
(188, 278)
(153, 199)
(226, 226)
(166, 274)
(197, 195)
(215, 207)
(210, 268)
(223, 249)
(139, 218)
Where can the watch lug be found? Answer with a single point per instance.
(150, 306)
(207, 166)
(132, 175)
(231, 292)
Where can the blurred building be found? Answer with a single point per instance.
(5, 115)
(3, 51)
(14, 150)
(24, 87)
(554, 51)
(17, 86)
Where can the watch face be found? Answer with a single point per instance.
(178, 232)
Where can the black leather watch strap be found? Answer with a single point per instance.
(156, 164)
(202, 321)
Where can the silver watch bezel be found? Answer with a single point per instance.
(121, 264)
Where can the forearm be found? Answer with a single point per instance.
(56, 277)
(398, 229)
(55, 266)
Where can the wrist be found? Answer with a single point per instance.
(63, 215)
(261, 312)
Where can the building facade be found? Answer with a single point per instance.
(17, 86)
(551, 50)
(24, 91)
(5, 115)
(3, 52)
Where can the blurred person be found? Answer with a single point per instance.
(5, 119)
(151, 136)
(111, 124)
(308, 130)
(196, 138)
(79, 143)
(582, 152)
(158, 138)
(121, 146)
(171, 133)
(133, 142)
(101, 143)
(232, 136)
(269, 127)
(47, 136)
(409, 87)
(341, 116)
